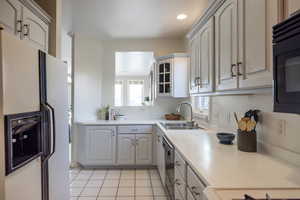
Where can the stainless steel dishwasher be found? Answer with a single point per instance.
(170, 172)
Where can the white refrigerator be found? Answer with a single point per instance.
(36, 82)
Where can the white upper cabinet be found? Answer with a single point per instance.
(202, 60)
(143, 149)
(194, 69)
(26, 20)
(241, 37)
(252, 60)
(206, 57)
(10, 15)
(226, 46)
(35, 30)
(172, 75)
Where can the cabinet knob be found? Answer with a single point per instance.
(232, 73)
(194, 191)
(19, 26)
(26, 29)
(177, 182)
(238, 69)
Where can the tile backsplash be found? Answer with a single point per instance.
(279, 133)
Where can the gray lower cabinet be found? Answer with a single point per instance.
(101, 145)
(126, 149)
(134, 149)
(97, 145)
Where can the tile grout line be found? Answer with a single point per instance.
(101, 185)
(151, 185)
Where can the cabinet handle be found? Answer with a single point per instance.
(232, 74)
(177, 182)
(136, 142)
(26, 29)
(194, 191)
(19, 26)
(177, 163)
(239, 64)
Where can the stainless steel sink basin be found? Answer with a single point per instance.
(180, 126)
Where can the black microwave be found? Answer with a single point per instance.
(286, 66)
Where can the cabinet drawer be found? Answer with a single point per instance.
(180, 183)
(135, 129)
(178, 196)
(195, 185)
(189, 195)
(180, 164)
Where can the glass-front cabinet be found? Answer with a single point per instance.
(172, 75)
(164, 78)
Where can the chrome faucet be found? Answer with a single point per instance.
(191, 110)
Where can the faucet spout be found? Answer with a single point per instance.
(191, 109)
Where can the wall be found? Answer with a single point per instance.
(279, 132)
(94, 57)
(160, 47)
(87, 77)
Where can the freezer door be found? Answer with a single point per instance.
(25, 183)
(20, 67)
(57, 98)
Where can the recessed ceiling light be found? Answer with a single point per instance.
(181, 16)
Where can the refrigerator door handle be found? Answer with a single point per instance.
(52, 130)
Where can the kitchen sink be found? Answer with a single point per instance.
(180, 126)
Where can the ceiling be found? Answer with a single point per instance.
(134, 18)
(133, 63)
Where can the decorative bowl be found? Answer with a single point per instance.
(226, 138)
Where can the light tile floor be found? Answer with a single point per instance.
(135, 184)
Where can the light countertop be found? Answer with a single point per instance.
(118, 122)
(223, 166)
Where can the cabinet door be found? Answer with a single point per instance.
(161, 159)
(194, 65)
(164, 78)
(101, 145)
(35, 30)
(144, 149)
(206, 56)
(10, 15)
(126, 149)
(226, 46)
(252, 25)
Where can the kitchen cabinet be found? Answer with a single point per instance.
(202, 60)
(252, 63)
(10, 15)
(143, 149)
(194, 74)
(134, 149)
(26, 20)
(245, 67)
(35, 30)
(172, 75)
(160, 156)
(98, 145)
(226, 46)
(126, 149)
(194, 185)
